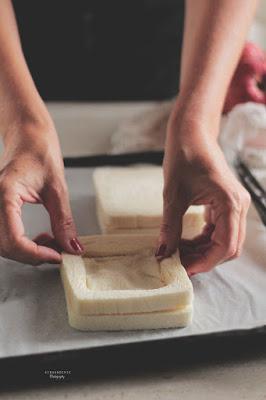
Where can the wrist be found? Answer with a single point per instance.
(190, 122)
(192, 135)
(24, 116)
(29, 128)
(39, 145)
(198, 112)
(35, 139)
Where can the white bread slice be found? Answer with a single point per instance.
(130, 198)
(155, 320)
(193, 223)
(154, 286)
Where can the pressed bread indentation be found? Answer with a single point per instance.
(138, 271)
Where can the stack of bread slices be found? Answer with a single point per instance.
(130, 200)
(118, 283)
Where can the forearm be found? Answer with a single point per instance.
(20, 102)
(195, 170)
(215, 31)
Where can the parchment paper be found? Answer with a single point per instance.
(32, 306)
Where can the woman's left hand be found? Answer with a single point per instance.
(196, 172)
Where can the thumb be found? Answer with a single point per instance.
(171, 227)
(57, 204)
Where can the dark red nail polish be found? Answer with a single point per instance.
(161, 250)
(76, 245)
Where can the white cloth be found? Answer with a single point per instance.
(145, 131)
(242, 130)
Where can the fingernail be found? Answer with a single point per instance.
(161, 250)
(76, 245)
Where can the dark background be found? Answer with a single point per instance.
(102, 49)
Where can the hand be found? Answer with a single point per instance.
(195, 172)
(31, 171)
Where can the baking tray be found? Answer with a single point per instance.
(100, 160)
(162, 357)
(230, 300)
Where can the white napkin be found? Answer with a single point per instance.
(144, 131)
(242, 130)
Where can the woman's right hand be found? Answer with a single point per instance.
(32, 171)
